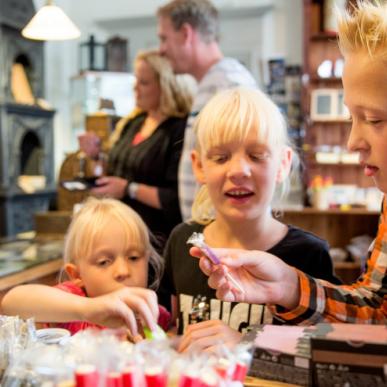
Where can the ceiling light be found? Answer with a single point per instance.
(50, 23)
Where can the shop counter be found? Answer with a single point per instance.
(37, 272)
(334, 225)
(338, 227)
(257, 382)
(29, 261)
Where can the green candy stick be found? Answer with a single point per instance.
(157, 334)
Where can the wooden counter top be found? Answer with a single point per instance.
(336, 226)
(256, 382)
(34, 273)
(331, 211)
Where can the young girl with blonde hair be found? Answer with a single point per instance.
(243, 155)
(107, 256)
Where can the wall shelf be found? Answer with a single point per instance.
(334, 225)
(338, 227)
(320, 46)
(331, 122)
(323, 36)
(317, 79)
(332, 211)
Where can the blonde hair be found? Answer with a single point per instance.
(176, 96)
(230, 116)
(93, 219)
(176, 90)
(364, 27)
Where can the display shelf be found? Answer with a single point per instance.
(330, 122)
(336, 226)
(348, 272)
(314, 163)
(321, 45)
(331, 80)
(323, 36)
(90, 88)
(333, 211)
(46, 273)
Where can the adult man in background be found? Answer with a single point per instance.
(188, 32)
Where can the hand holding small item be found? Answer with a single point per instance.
(197, 239)
(128, 306)
(90, 143)
(263, 277)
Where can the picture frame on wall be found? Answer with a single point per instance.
(328, 105)
(117, 54)
(342, 110)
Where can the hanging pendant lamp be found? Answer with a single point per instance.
(50, 23)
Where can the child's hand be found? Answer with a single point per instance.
(124, 307)
(207, 335)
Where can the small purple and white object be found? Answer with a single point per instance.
(197, 239)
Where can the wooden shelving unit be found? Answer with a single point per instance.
(336, 226)
(323, 36)
(321, 45)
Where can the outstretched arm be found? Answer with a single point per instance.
(48, 304)
(265, 278)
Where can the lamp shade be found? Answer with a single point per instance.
(50, 23)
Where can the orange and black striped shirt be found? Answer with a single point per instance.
(364, 302)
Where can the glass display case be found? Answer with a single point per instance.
(94, 91)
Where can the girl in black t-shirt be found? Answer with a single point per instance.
(243, 155)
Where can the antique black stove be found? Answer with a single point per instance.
(26, 131)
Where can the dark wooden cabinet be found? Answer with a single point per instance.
(326, 133)
(326, 124)
(337, 227)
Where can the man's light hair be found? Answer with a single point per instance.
(364, 27)
(94, 217)
(200, 14)
(232, 115)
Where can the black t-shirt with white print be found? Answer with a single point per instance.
(197, 301)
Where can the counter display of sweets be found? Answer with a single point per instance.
(101, 359)
(15, 336)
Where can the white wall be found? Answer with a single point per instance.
(251, 37)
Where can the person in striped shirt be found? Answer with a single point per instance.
(296, 297)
